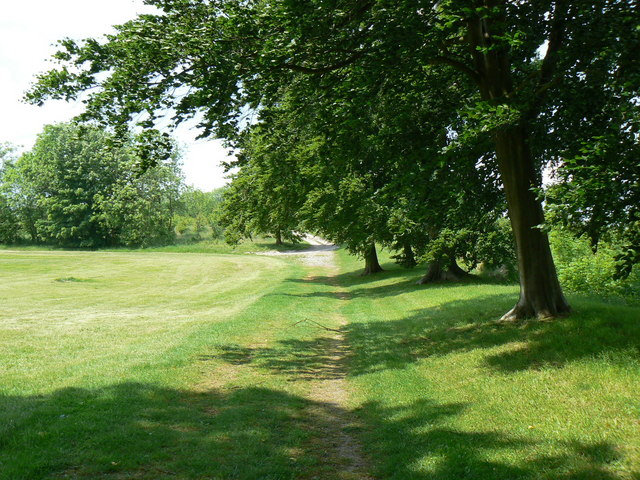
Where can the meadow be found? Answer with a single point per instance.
(209, 364)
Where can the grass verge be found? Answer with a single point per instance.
(156, 365)
(214, 246)
(446, 391)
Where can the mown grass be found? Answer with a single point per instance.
(112, 367)
(449, 392)
(258, 244)
(162, 365)
(213, 246)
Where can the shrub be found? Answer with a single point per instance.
(583, 271)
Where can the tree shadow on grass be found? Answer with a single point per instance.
(472, 324)
(458, 326)
(306, 360)
(417, 442)
(355, 277)
(374, 345)
(395, 281)
(133, 430)
(138, 431)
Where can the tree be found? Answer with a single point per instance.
(65, 171)
(21, 199)
(140, 209)
(200, 212)
(389, 184)
(266, 191)
(77, 188)
(7, 153)
(9, 226)
(596, 186)
(235, 55)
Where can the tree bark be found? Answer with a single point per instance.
(409, 257)
(371, 264)
(434, 274)
(455, 270)
(540, 292)
(437, 273)
(278, 237)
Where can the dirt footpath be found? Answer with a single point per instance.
(343, 453)
(319, 254)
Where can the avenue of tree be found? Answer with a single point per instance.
(415, 125)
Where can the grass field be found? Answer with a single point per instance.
(178, 365)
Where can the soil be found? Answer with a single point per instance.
(319, 254)
(329, 392)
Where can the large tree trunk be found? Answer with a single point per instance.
(278, 237)
(456, 271)
(540, 292)
(437, 273)
(434, 274)
(371, 264)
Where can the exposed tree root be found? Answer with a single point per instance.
(436, 273)
(525, 311)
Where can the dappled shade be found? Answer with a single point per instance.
(133, 430)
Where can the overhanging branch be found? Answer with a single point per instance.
(318, 70)
(458, 65)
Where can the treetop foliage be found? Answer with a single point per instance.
(386, 114)
(75, 188)
(222, 57)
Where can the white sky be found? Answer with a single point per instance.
(28, 29)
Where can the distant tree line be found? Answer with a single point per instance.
(79, 187)
(199, 215)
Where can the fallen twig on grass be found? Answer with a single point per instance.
(318, 324)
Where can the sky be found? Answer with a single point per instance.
(28, 30)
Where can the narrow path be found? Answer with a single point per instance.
(319, 254)
(313, 370)
(330, 393)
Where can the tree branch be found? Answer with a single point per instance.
(357, 12)
(458, 65)
(318, 324)
(555, 43)
(322, 69)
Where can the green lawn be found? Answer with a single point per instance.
(155, 364)
(447, 392)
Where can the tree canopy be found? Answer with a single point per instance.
(523, 77)
(75, 188)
